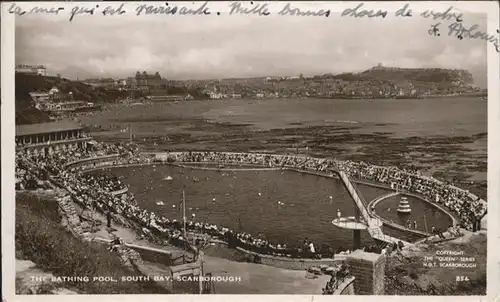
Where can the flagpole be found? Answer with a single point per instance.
(184, 214)
(425, 222)
(130, 133)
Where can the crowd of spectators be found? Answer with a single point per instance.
(468, 207)
(95, 191)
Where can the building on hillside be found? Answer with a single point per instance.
(55, 95)
(31, 69)
(145, 81)
(54, 90)
(40, 97)
(61, 107)
(45, 138)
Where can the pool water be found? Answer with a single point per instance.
(285, 206)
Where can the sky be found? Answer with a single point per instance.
(234, 46)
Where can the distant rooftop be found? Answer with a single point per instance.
(46, 128)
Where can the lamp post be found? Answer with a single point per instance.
(194, 237)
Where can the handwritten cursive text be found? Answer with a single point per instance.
(171, 10)
(258, 9)
(447, 15)
(357, 12)
(17, 10)
(77, 10)
(459, 30)
(289, 10)
(405, 11)
(110, 11)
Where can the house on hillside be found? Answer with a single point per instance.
(54, 91)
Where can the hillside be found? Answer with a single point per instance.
(426, 75)
(81, 92)
(42, 239)
(26, 113)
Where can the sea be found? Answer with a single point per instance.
(460, 116)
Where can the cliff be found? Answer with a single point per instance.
(427, 75)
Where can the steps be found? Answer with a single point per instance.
(71, 215)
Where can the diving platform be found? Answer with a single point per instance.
(350, 223)
(367, 221)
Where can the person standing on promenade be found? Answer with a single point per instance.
(311, 247)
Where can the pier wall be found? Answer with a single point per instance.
(368, 270)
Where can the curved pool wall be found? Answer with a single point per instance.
(113, 161)
(398, 230)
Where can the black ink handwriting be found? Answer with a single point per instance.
(447, 15)
(289, 10)
(172, 10)
(201, 10)
(44, 10)
(258, 9)
(110, 11)
(155, 10)
(459, 30)
(434, 30)
(357, 13)
(404, 11)
(14, 9)
(77, 10)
